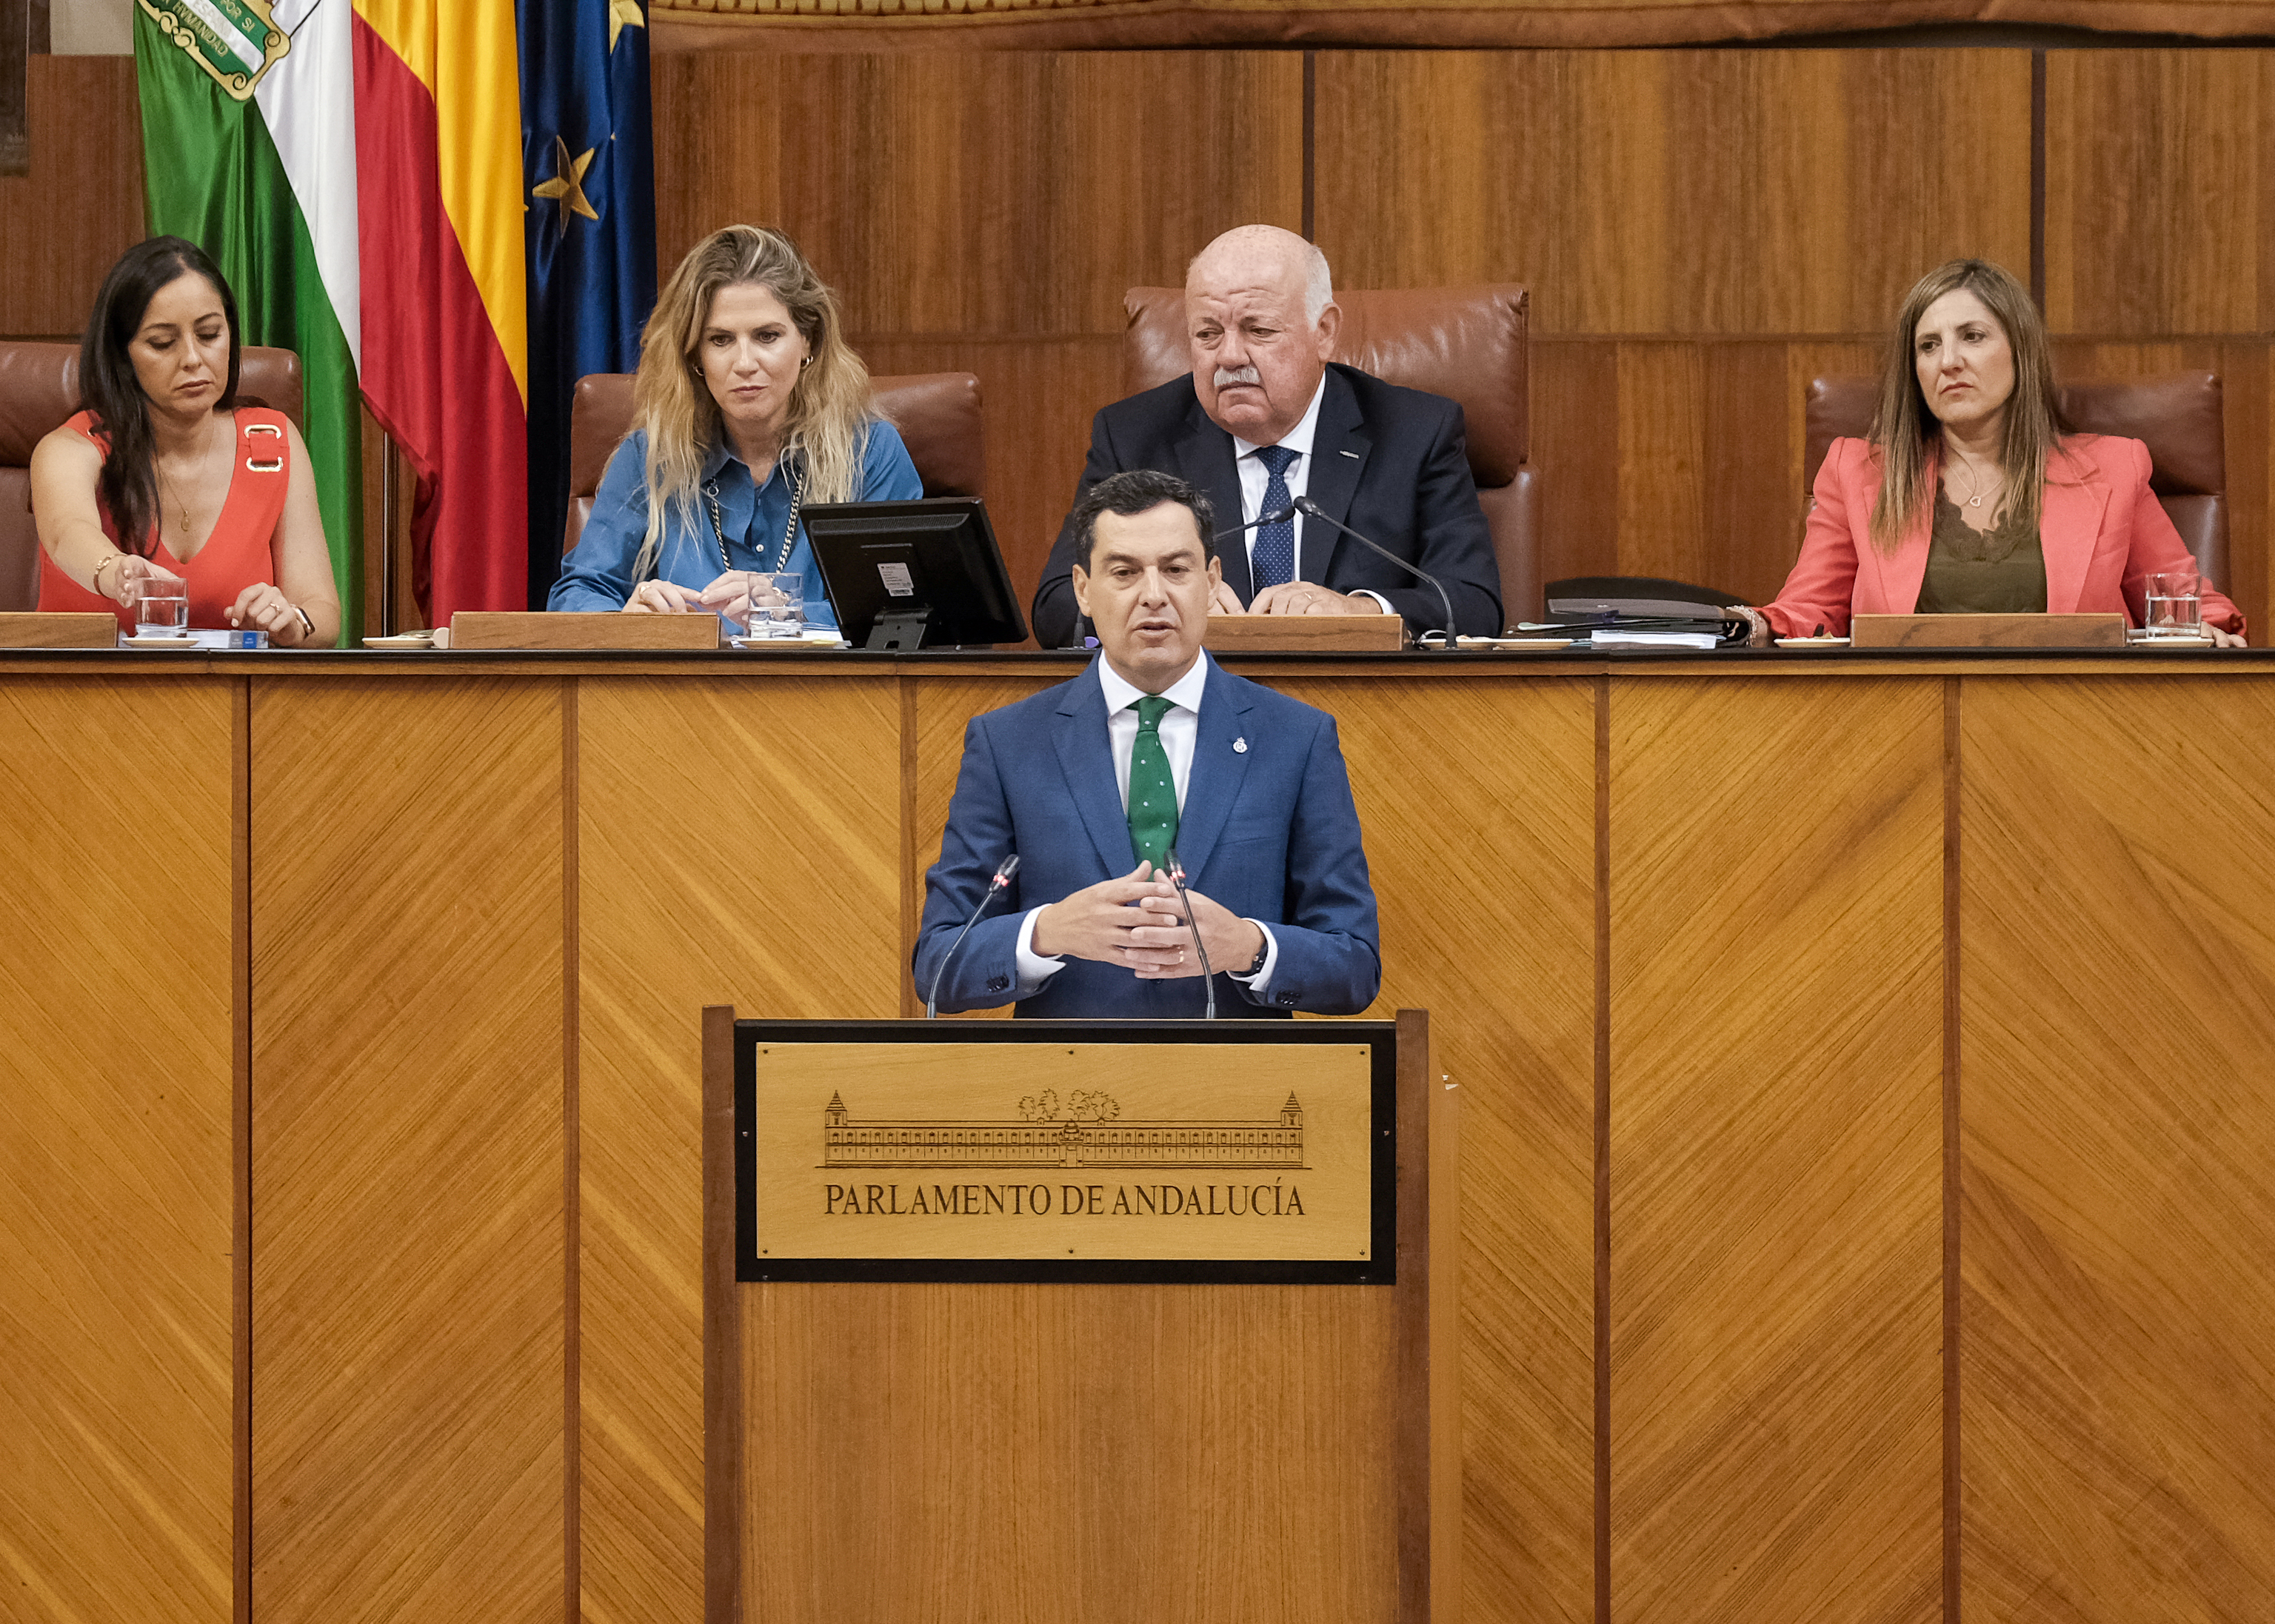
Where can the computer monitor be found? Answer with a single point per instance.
(915, 574)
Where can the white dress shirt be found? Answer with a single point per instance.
(1254, 476)
(1180, 730)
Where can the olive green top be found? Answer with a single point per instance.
(2001, 571)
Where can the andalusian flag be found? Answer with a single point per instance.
(248, 144)
(446, 339)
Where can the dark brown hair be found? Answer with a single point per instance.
(128, 485)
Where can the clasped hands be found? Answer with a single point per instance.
(729, 594)
(1138, 922)
(1293, 598)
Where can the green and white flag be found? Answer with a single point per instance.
(248, 145)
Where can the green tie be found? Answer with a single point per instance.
(1153, 792)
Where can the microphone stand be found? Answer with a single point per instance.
(1175, 870)
(1002, 879)
(1312, 510)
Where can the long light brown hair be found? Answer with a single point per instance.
(1907, 433)
(828, 404)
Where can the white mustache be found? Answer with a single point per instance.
(1227, 376)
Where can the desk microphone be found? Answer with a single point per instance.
(1003, 872)
(1278, 516)
(1312, 510)
(1175, 871)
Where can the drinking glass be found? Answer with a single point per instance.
(2175, 605)
(776, 607)
(162, 609)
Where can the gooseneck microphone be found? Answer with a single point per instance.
(1003, 872)
(1175, 871)
(1276, 516)
(1312, 510)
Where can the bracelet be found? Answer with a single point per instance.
(108, 561)
(307, 626)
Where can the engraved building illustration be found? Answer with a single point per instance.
(1087, 1132)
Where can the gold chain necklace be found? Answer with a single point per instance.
(205, 456)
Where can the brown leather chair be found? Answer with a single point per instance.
(1466, 344)
(2178, 416)
(937, 413)
(39, 392)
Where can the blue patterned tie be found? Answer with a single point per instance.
(1274, 559)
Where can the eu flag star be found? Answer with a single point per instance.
(623, 14)
(567, 185)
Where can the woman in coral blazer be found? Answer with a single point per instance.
(1968, 496)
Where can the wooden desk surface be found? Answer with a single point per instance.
(1865, 1058)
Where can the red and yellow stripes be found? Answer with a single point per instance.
(446, 361)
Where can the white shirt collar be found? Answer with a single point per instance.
(1298, 439)
(1186, 692)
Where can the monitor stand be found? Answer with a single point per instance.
(904, 631)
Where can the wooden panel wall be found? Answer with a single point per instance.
(80, 207)
(408, 1224)
(725, 856)
(118, 1389)
(2117, 1017)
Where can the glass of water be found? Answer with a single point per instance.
(2175, 605)
(776, 607)
(162, 609)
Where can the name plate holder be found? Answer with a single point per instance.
(565, 631)
(1986, 631)
(56, 629)
(1305, 634)
(1123, 1297)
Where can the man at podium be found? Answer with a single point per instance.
(1154, 755)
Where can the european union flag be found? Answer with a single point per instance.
(588, 165)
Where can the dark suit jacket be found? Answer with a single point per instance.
(1393, 463)
(1269, 829)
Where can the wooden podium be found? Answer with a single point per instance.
(1099, 1320)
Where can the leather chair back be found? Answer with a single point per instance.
(39, 392)
(2178, 416)
(1469, 345)
(937, 413)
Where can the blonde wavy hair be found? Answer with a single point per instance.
(830, 408)
(1907, 433)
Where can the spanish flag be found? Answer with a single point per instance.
(445, 334)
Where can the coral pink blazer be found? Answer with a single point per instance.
(2102, 530)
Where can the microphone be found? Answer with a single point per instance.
(1275, 517)
(1312, 510)
(1003, 872)
(1175, 870)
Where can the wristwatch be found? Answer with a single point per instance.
(1262, 952)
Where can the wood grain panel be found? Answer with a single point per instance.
(116, 1159)
(739, 843)
(1445, 773)
(2157, 169)
(1679, 457)
(1094, 1398)
(1776, 1151)
(1037, 398)
(2244, 366)
(2117, 1021)
(80, 207)
(1674, 191)
(994, 192)
(408, 1234)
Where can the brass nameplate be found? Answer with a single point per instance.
(1305, 634)
(501, 629)
(956, 1158)
(1986, 631)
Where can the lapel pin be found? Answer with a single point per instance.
(1240, 746)
(1352, 455)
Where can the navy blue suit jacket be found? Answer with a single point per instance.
(1269, 829)
(1392, 463)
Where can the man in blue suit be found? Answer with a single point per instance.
(1152, 749)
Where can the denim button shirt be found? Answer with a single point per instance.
(597, 574)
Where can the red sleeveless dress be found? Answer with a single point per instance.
(238, 554)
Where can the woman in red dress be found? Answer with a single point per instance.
(165, 477)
